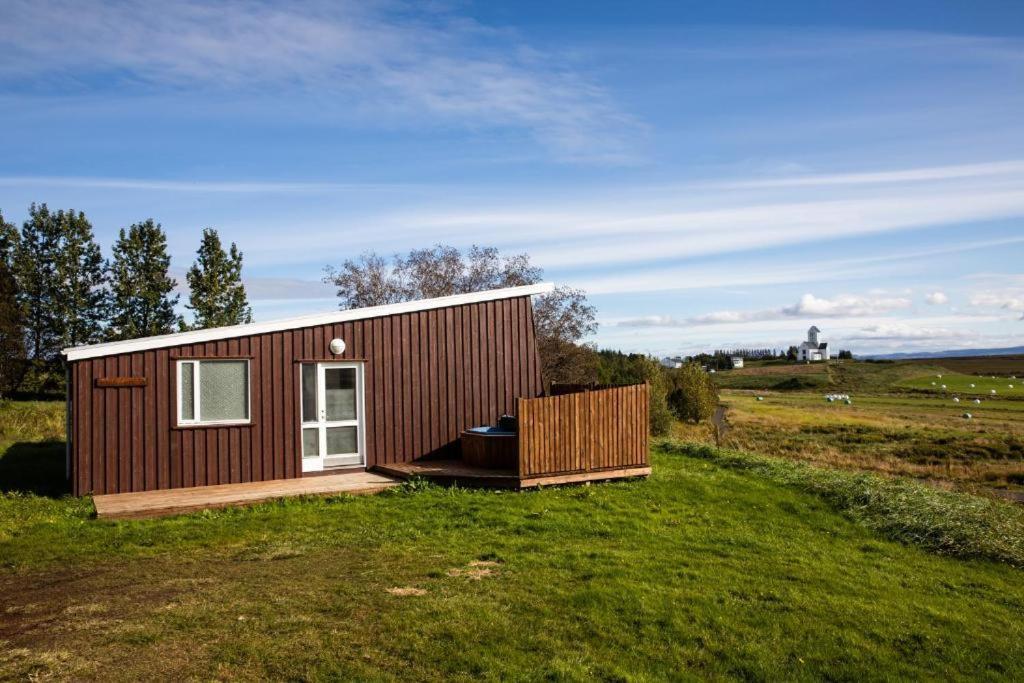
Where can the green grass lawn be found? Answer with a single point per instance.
(707, 569)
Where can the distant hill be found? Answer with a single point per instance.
(952, 353)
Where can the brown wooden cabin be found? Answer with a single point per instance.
(359, 389)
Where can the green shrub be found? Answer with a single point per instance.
(41, 379)
(692, 394)
(634, 368)
(660, 414)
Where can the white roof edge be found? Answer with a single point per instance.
(216, 333)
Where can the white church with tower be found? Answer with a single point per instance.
(812, 350)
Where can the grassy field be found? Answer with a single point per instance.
(958, 384)
(1001, 366)
(898, 423)
(720, 565)
(32, 444)
(986, 373)
(771, 376)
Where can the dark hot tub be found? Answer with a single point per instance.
(490, 447)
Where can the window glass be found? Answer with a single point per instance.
(188, 388)
(341, 440)
(223, 390)
(340, 393)
(311, 443)
(308, 392)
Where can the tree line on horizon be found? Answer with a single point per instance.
(721, 359)
(57, 290)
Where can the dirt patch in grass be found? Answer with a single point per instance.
(41, 606)
(477, 569)
(149, 609)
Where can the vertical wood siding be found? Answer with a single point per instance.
(584, 431)
(428, 375)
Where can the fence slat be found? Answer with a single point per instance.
(585, 430)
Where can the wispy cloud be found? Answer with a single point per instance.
(914, 175)
(628, 227)
(701, 277)
(844, 305)
(695, 277)
(809, 306)
(653, 321)
(389, 61)
(633, 239)
(908, 331)
(1007, 299)
(681, 222)
(936, 298)
(997, 292)
(196, 186)
(632, 229)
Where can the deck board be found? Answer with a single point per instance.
(176, 501)
(456, 471)
(452, 471)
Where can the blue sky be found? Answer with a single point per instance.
(713, 174)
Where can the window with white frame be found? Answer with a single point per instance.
(213, 392)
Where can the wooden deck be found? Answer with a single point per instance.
(457, 472)
(452, 472)
(582, 477)
(177, 501)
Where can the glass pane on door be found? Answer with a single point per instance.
(311, 442)
(341, 440)
(308, 392)
(340, 395)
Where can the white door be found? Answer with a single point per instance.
(332, 415)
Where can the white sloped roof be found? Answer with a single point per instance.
(216, 333)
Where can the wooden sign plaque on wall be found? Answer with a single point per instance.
(119, 382)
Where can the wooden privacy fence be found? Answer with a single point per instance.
(586, 431)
